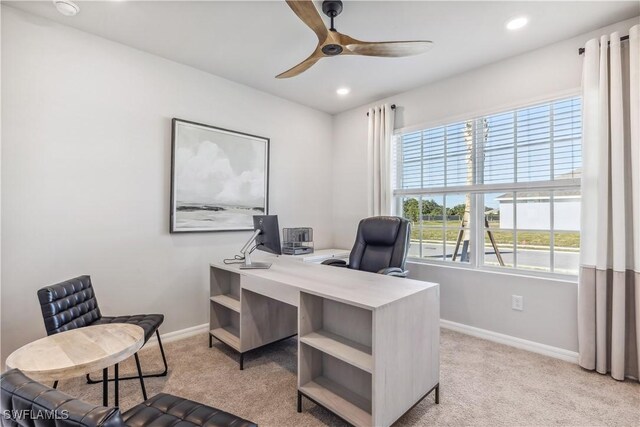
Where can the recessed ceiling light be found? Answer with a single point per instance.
(343, 91)
(66, 7)
(517, 23)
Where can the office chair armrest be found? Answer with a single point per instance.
(394, 271)
(334, 262)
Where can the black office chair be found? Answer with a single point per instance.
(27, 403)
(381, 246)
(72, 304)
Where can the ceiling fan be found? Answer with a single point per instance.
(333, 43)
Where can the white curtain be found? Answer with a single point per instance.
(609, 285)
(381, 122)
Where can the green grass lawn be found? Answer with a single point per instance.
(432, 231)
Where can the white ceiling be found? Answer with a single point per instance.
(251, 42)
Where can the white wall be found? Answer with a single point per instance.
(85, 173)
(477, 299)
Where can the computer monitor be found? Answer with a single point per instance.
(266, 235)
(269, 238)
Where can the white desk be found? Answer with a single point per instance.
(321, 255)
(368, 347)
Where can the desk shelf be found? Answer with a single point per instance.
(227, 300)
(354, 408)
(228, 335)
(224, 310)
(341, 348)
(245, 320)
(335, 362)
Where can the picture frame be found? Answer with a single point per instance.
(219, 178)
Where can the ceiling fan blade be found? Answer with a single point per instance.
(308, 13)
(389, 49)
(301, 67)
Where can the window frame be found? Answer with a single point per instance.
(477, 192)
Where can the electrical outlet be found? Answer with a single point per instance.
(517, 302)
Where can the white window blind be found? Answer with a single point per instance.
(535, 146)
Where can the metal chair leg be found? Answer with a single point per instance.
(105, 387)
(164, 358)
(159, 374)
(116, 391)
(144, 390)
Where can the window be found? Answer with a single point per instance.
(496, 191)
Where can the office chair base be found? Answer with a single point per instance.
(242, 353)
(435, 388)
(135, 377)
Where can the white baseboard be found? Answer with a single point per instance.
(534, 347)
(179, 335)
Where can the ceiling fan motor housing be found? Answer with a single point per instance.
(332, 49)
(332, 8)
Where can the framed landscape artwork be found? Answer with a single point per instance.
(219, 178)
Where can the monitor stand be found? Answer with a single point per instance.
(255, 265)
(246, 251)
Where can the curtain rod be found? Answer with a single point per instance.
(393, 107)
(623, 38)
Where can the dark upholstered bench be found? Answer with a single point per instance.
(27, 403)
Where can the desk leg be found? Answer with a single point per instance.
(116, 386)
(105, 387)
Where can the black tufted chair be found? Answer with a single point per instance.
(72, 304)
(382, 244)
(22, 400)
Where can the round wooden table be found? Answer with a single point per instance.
(80, 351)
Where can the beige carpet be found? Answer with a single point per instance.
(482, 383)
